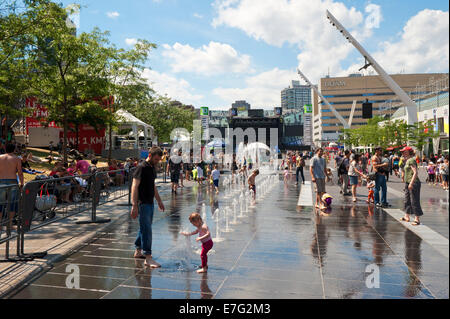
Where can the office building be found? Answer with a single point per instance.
(295, 97)
(342, 91)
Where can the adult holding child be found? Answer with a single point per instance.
(143, 193)
(381, 169)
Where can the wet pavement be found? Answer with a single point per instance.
(279, 250)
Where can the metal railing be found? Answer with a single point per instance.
(9, 201)
(47, 200)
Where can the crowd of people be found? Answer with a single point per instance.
(73, 177)
(373, 170)
(180, 168)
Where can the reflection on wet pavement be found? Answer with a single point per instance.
(278, 251)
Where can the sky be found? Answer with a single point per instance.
(212, 53)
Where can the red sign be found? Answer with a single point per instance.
(40, 113)
(88, 138)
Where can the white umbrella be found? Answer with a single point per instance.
(332, 144)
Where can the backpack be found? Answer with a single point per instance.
(342, 170)
(302, 162)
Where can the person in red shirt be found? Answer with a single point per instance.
(57, 166)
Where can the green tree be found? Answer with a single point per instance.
(17, 25)
(67, 70)
(421, 133)
(127, 85)
(165, 116)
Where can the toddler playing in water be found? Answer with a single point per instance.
(204, 237)
(286, 174)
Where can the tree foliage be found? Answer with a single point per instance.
(389, 134)
(41, 55)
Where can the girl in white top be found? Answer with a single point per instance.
(353, 173)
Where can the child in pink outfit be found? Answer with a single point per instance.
(204, 236)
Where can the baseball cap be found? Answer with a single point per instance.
(406, 148)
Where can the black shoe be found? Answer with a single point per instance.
(348, 194)
(386, 205)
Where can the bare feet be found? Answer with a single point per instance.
(138, 254)
(151, 263)
(202, 270)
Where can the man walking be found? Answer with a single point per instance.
(143, 192)
(10, 168)
(318, 173)
(381, 169)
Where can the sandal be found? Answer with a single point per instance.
(415, 223)
(403, 219)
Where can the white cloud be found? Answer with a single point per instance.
(214, 58)
(131, 41)
(262, 90)
(112, 14)
(198, 16)
(178, 89)
(423, 46)
(302, 23)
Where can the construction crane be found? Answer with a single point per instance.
(411, 107)
(338, 116)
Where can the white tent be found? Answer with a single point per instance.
(127, 119)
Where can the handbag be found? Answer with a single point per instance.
(45, 202)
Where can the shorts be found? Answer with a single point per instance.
(216, 182)
(320, 185)
(445, 178)
(253, 188)
(9, 194)
(353, 180)
(174, 177)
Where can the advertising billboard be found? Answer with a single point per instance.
(307, 108)
(204, 111)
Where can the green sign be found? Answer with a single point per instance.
(307, 108)
(204, 111)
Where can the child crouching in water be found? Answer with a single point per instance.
(204, 237)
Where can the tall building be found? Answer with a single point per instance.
(342, 91)
(241, 105)
(295, 97)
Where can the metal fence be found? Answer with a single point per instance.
(47, 200)
(9, 201)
